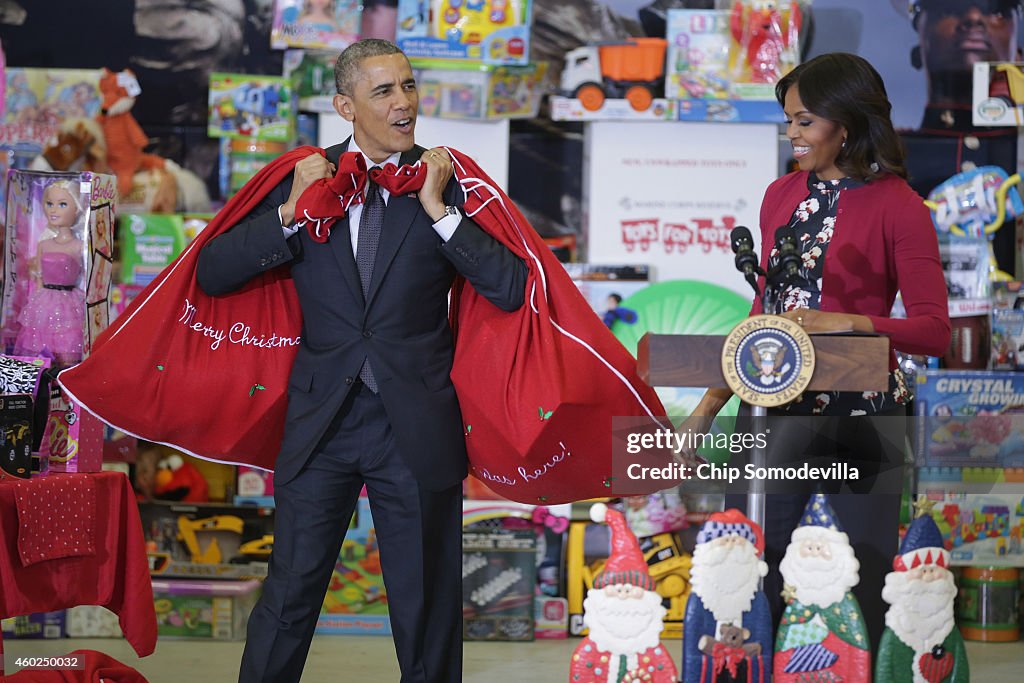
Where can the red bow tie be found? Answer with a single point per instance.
(329, 199)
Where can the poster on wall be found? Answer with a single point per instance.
(669, 194)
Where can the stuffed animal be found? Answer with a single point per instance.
(79, 146)
(730, 654)
(125, 138)
(179, 480)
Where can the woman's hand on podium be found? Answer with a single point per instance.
(815, 321)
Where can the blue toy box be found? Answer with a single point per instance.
(969, 418)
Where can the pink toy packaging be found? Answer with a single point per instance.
(73, 438)
(57, 261)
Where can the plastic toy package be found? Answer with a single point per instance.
(498, 583)
(475, 91)
(698, 54)
(969, 418)
(765, 44)
(975, 202)
(316, 23)
(57, 263)
(488, 31)
(245, 106)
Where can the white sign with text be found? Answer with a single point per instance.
(668, 194)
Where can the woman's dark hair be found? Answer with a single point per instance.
(846, 90)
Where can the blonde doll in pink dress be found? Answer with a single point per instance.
(53, 316)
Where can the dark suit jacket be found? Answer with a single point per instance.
(402, 327)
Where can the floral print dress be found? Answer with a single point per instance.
(813, 223)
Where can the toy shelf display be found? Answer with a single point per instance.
(488, 31)
(711, 65)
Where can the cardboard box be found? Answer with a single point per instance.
(247, 106)
(45, 625)
(356, 602)
(213, 610)
(486, 31)
(16, 412)
(550, 618)
(38, 102)
(698, 54)
(254, 487)
(295, 26)
(498, 584)
(73, 438)
(149, 243)
(571, 109)
(207, 541)
(92, 621)
(1007, 339)
(478, 91)
(981, 523)
(968, 418)
(998, 94)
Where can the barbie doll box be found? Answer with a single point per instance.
(56, 263)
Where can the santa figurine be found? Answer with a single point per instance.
(727, 632)
(822, 636)
(624, 615)
(921, 643)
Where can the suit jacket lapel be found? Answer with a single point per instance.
(340, 241)
(398, 219)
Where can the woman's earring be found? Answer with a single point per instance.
(844, 143)
(915, 57)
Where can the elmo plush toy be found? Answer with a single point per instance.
(759, 29)
(180, 481)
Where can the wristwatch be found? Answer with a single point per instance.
(449, 211)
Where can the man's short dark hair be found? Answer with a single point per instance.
(347, 66)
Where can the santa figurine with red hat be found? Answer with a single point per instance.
(921, 643)
(727, 629)
(625, 617)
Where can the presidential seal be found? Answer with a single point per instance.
(767, 360)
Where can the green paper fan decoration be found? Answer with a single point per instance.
(685, 307)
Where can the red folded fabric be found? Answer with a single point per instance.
(98, 668)
(56, 517)
(328, 199)
(115, 576)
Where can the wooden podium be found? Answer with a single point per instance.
(844, 362)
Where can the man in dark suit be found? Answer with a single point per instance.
(369, 398)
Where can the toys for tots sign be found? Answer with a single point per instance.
(669, 194)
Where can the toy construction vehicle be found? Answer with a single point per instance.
(632, 69)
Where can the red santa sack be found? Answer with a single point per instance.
(538, 387)
(206, 375)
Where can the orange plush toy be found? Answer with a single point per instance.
(125, 138)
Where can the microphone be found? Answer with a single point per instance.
(743, 247)
(789, 255)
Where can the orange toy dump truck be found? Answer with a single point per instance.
(634, 69)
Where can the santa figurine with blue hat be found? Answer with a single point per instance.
(822, 636)
(624, 615)
(727, 631)
(921, 643)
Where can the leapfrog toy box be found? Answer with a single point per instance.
(488, 31)
(967, 418)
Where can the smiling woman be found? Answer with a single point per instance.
(863, 235)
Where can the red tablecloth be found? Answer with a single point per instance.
(116, 575)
